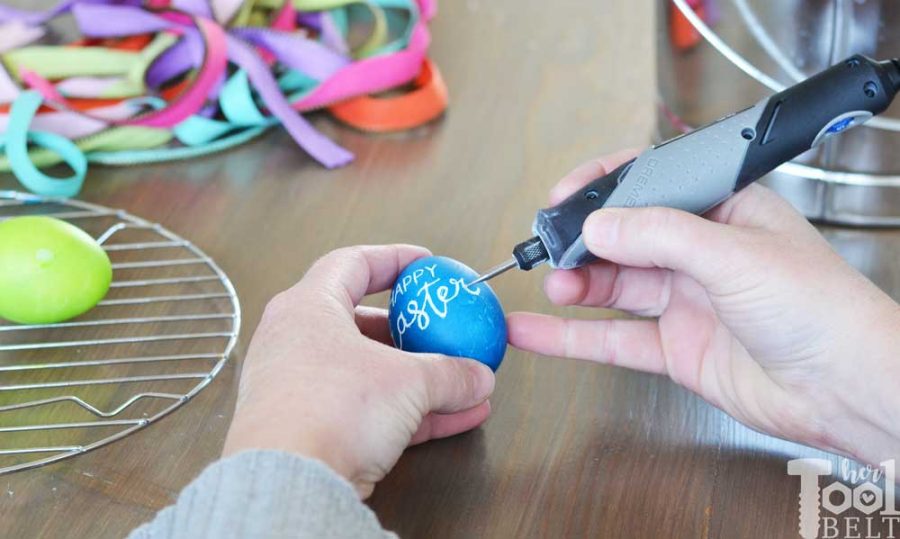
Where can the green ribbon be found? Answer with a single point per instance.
(125, 145)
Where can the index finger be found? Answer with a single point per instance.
(349, 274)
(587, 172)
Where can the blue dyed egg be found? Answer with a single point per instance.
(434, 310)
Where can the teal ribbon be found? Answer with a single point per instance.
(243, 121)
(15, 143)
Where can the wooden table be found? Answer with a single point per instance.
(572, 449)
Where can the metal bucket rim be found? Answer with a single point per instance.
(739, 61)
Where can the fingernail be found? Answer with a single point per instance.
(601, 230)
(484, 380)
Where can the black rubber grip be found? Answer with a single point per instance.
(795, 117)
(560, 226)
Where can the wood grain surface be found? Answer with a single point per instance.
(572, 449)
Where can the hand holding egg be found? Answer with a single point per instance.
(434, 310)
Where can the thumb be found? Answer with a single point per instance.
(668, 238)
(455, 384)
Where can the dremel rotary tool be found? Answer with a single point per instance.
(700, 169)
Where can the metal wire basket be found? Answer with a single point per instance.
(163, 332)
(752, 48)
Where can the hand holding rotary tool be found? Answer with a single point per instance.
(698, 170)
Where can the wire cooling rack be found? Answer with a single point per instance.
(162, 334)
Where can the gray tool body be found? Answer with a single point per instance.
(693, 172)
(698, 170)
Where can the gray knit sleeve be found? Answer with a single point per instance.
(262, 495)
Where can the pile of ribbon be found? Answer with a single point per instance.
(161, 80)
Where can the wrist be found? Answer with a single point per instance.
(864, 399)
(247, 433)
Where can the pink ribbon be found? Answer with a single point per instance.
(210, 49)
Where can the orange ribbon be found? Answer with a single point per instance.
(382, 114)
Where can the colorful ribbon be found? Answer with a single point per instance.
(174, 79)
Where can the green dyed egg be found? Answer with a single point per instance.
(50, 271)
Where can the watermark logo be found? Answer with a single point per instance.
(868, 490)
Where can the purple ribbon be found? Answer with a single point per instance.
(310, 20)
(111, 21)
(86, 86)
(103, 21)
(184, 55)
(296, 52)
(331, 36)
(316, 144)
(194, 7)
(95, 19)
